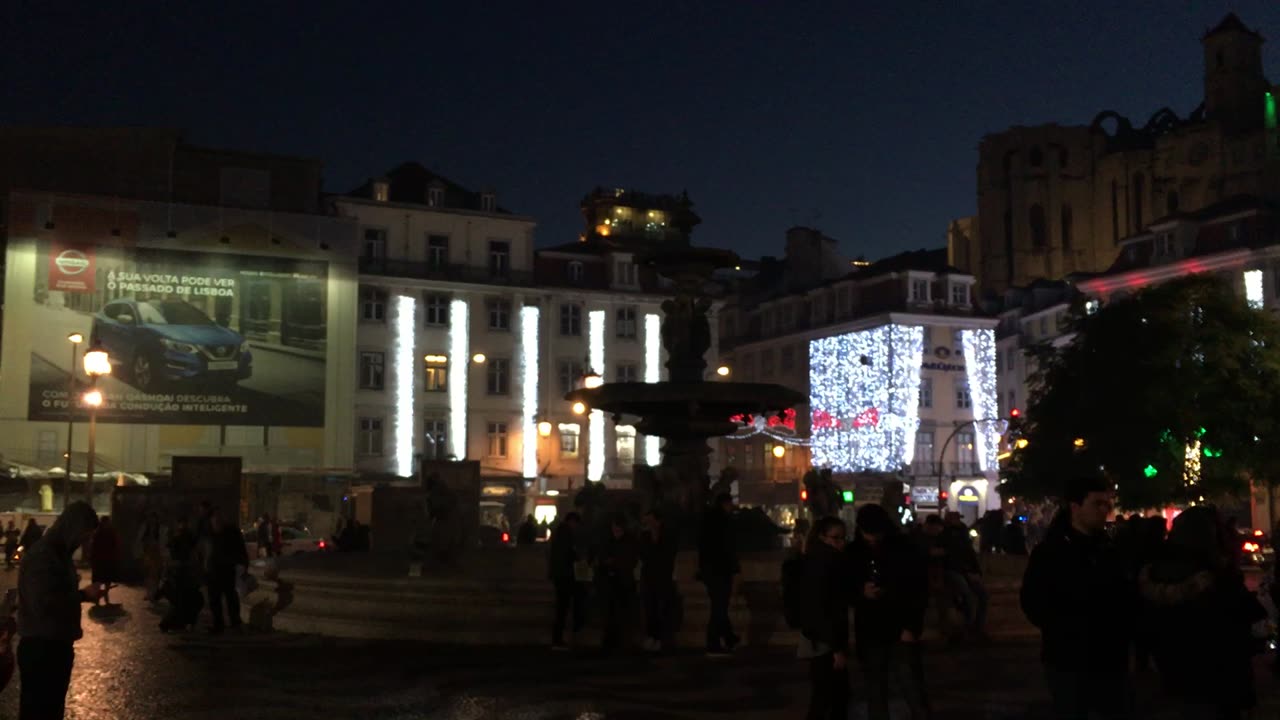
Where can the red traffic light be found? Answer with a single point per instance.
(1015, 413)
(944, 495)
(804, 495)
(506, 538)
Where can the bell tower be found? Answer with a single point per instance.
(1234, 85)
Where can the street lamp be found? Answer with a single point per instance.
(544, 429)
(779, 451)
(96, 364)
(723, 371)
(75, 339)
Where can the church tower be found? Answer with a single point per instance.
(1234, 85)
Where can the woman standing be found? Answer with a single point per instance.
(104, 554)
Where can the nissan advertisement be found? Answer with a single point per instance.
(193, 338)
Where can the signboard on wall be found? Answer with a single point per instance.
(924, 495)
(194, 338)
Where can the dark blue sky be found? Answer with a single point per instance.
(860, 118)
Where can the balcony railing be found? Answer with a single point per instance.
(927, 468)
(421, 270)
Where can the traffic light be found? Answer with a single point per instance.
(1015, 413)
(804, 495)
(847, 497)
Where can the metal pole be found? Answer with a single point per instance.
(71, 422)
(93, 432)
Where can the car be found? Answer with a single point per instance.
(158, 342)
(293, 541)
(1256, 547)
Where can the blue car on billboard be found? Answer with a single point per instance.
(159, 342)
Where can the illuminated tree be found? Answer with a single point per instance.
(1178, 380)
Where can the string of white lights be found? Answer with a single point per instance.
(1253, 289)
(652, 374)
(404, 366)
(980, 367)
(529, 390)
(459, 364)
(595, 421)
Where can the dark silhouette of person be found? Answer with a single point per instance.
(616, 578)
(825, 627)
(657, 580)
(226, 552)
(717, 567)
(1077, 591)
(563, 560)
(528, 532)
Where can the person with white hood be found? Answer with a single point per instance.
(49, 613)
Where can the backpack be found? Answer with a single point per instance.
(793, 592)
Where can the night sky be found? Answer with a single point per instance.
(859, 118)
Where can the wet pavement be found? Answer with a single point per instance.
(126, 669)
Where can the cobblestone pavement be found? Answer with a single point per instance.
(126, 669)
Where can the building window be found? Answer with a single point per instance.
(919, 291)
(574, 270)
(766, 363)
(571, 320)
(375, 243)
(626, 325)
(627, 373)
(499, 313)
(924, 447)
(963, 400)
(498, 373)
(437, 251)
(370, 440)
(1044, 326)
(372, 370)
(436, 435)
(570, 435)
(787, 358)
(435, 196)
(1013, 400)
(965, 453)
(373, 304)
(624, 272)
(788, 313)
(437, 373)
(625, 444)
(570, 372)
(960, 295)
(928, 338)
(497, 440)
(1036, 156)
(1171, 202)
(1066, 227)
(999, 362)
(1012, 363)
(488, 202)
(1138, 188)
(499, 258)
(381, 190)
(1035, 218)
(926, 392)
(748, 366)
(436, 309)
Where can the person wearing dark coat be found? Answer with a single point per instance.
(528, 533)
(30, 534)
(1078, 591)
(226, 552)
(181, 585)
(616, 579)
(49, 613)
(1197, 617)
(562, 562)
(717, 567)
(890, 588)
(104, 553)
(657, 581)
(825, 628)
(11, 535)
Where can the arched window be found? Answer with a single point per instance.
(1036, 157)
(1066, 227)
(1138, 187)
(1035, 217)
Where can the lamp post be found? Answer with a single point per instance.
(96, 364)
(943, 453)
(75, 339)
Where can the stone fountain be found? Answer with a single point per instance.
(685, 409)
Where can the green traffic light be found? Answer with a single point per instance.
(1150, 471)
(847, 496)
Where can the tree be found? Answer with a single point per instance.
(1177, 370)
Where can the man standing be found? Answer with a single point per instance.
(826, 620)
(49, 613)
(1076, 590)
(227, 552)
(964, 574)
(657, 586)
(563, 567)
(717, 566)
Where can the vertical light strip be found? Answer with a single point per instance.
(595, 429)
(652, 374)
(1253, 289)
(980, 367)
(529, 389)
(908, 358)
(404, 370)
(459, 364)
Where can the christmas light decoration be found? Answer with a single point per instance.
(1191, 466)
(1253, 289)
(404, 368)
(652, 374)
(864, 390)
(980, 366)
(595, 422)
(459, 354)
(529, 389)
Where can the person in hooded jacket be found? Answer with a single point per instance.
(562, 568)
(227, 552)
(825, 628)
(49, 613)
(890, 586)
(1194, 586)
(616, 579)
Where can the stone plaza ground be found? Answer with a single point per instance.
(127, 670)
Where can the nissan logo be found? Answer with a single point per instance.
(71, 262)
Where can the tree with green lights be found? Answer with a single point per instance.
(1186, 364)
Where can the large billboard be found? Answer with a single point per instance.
(194, 338)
